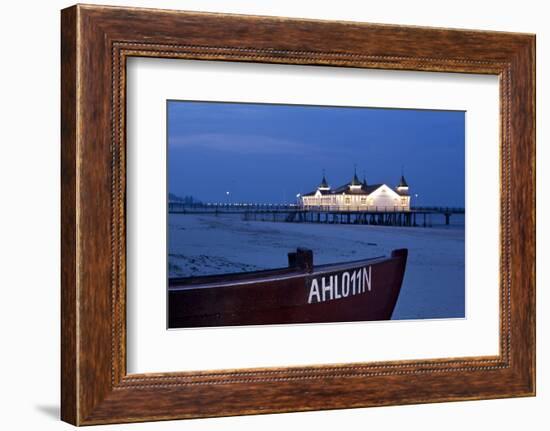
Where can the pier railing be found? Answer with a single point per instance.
(182, 207)
(439, 209)
(354, 208)
(379, 208)
(356, 214)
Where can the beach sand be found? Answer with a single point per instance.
(433, 286)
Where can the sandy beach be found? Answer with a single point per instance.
(434, 278)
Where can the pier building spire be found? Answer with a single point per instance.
(355, 183)
(324, 184)
(402, 188)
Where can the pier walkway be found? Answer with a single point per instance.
(291, 213)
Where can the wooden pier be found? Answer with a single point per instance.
(290, 213)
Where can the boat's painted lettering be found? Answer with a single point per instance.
(367, 277)
(327, 288)
(345, 284)
(340, 285)
(336, 293)
(314, 292)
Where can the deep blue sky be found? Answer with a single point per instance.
(269, 153)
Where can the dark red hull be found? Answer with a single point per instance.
(357, 291)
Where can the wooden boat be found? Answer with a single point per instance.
(361, 290)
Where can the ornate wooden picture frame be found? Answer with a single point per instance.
(96, 41)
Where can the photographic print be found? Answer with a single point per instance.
(292, 214)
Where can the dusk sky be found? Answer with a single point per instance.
(268, 153)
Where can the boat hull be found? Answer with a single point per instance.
(358, 291)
